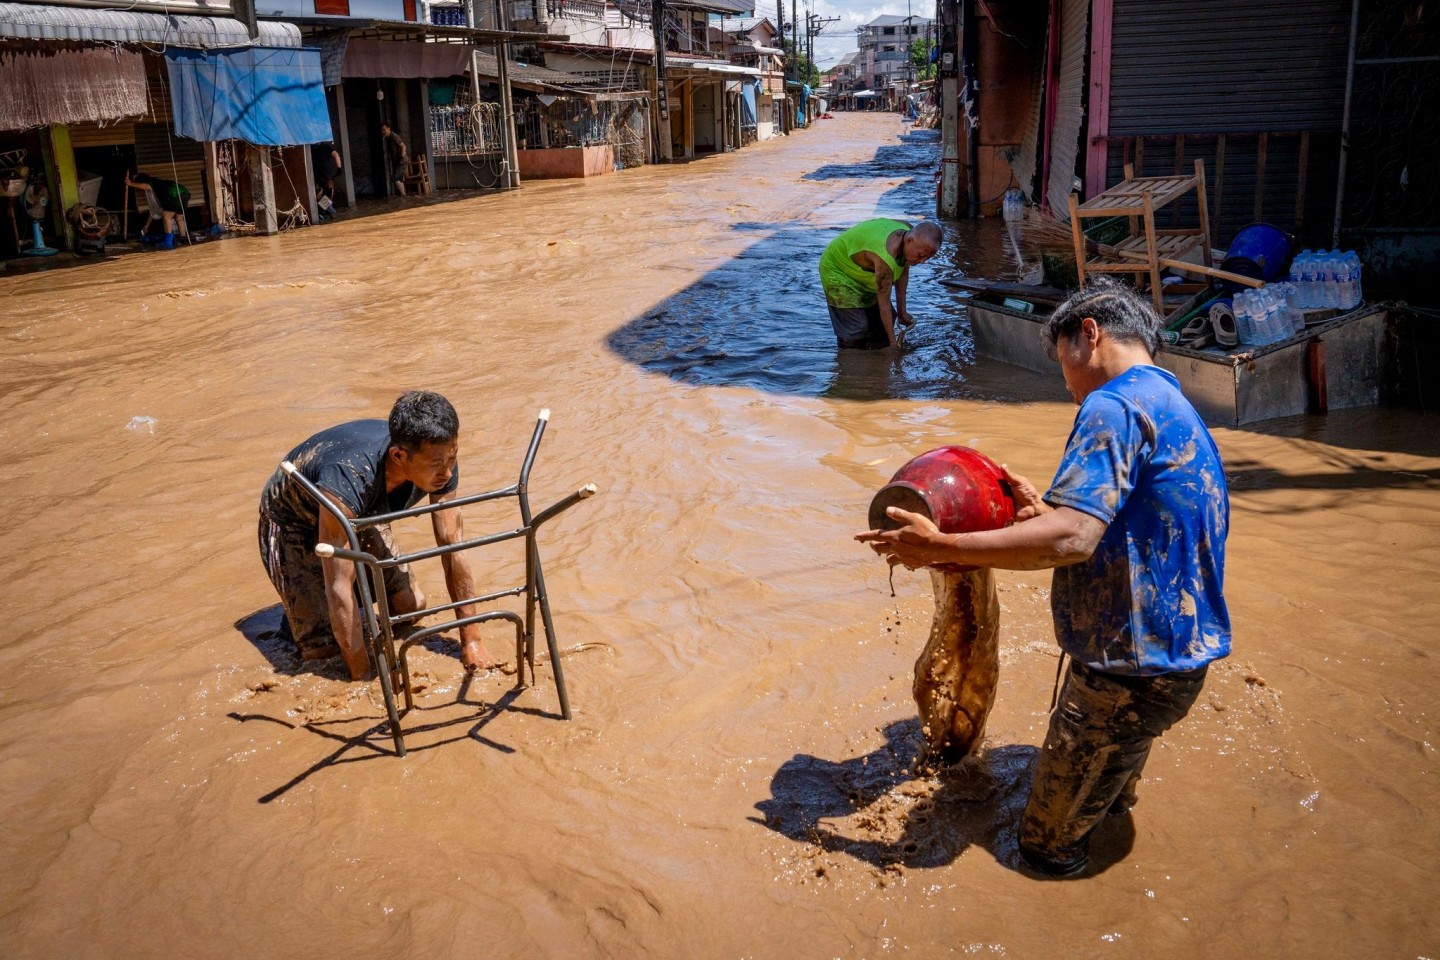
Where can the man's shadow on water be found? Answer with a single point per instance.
(262, 629)
(372, 740)
(978, 803)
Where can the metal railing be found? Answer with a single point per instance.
(575, 10)
(378, 624)
(464, 129)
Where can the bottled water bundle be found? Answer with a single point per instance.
(1267, 314)
(1327, 279)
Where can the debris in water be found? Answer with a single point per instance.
(141, 424)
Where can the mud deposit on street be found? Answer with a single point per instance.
(737, 780)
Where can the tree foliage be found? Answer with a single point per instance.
(920, 59)
(798, 66)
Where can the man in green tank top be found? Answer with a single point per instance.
(861, 266)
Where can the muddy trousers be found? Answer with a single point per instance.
(1099, 738)
(299, 579)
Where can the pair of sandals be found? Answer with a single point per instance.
(1215, 323)
(1196, 333)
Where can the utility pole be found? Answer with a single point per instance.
(662, 92)
(948, 207)
(814, 26)
(507, 101)
(809, 44)
(795, 42)
(780, 21)
(909, 55)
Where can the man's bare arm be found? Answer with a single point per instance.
(1055, 539)
(884, 282)
(449, 526)
(340, 594)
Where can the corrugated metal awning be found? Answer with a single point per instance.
(524, 76)
(30, 21)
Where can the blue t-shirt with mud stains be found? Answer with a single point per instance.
(1149, 600)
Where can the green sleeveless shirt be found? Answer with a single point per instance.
(847, 284)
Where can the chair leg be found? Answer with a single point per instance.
(550, 641)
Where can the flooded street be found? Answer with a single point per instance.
(736, 781)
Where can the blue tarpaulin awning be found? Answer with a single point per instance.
(266, 96)
(747, 104)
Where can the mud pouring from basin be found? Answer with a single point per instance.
(961, 490)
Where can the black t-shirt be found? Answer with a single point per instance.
(323, 155)
(347, 461)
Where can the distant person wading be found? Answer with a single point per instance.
(859, 269)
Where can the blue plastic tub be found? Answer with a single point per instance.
(1259, 251)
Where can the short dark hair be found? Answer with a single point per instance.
(420, 417)
(1117, 309)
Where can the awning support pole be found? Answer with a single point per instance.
(344, 125)
(311, 204)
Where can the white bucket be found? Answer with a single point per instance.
(89, 190)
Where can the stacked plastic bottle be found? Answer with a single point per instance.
(1267, 314)
(1244, 319)
(1327, 279)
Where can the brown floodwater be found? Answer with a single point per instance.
(736, 779)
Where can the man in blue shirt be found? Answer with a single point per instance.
(1134, 525)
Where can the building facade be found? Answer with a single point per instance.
(884, 52)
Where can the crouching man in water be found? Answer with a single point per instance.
(366, 468)
(858, 270)
(1134, 525)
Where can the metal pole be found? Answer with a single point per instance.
(780, 16)
(810, 45)
(344, 125)
(1345, 123)
(909, 58)
(474, 75)
(507, 102)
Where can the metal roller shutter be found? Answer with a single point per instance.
(1026, 160)
(1227, 66)
(162, 154)
(1069, 106)
(102, 135)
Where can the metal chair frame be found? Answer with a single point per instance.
(379, 629)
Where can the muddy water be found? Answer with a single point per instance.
(735, 780)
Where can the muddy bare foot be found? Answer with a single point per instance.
(475, 657)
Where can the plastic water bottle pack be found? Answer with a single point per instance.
(1327, 279)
